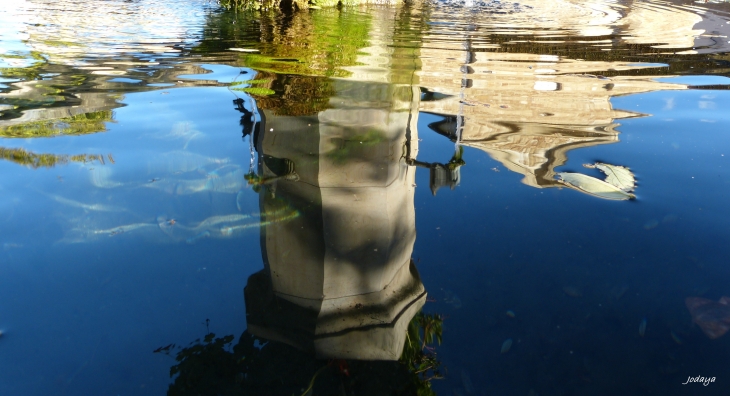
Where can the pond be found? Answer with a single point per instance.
(481, 198)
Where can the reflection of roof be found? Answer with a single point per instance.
(534, 150)
(527, 111)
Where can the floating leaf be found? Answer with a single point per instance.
(594, 186)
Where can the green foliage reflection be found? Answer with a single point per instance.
(79, 124)
(23, 157)
(418, 353)
(315, 44)
(254, 366)
(297, 95)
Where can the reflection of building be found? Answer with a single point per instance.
(527, 111)
(655, 23)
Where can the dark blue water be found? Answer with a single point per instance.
(384, 161)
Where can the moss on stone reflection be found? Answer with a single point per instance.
(79, 124)
(348, 148)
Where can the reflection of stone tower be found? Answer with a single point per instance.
(339, 280)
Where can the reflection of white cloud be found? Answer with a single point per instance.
(707, 97)
(669, 104)
(704, 104)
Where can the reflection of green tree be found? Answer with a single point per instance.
(304, 43)
(296, 53)
(286, 4)
(79, 124)
(27, 158)
(311, 43)
(249, 5)
(254, 366)
(297, 95)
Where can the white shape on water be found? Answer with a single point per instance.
(593, 186)
(619, 176)
(92, 207)
(545, 86)
(194, 239)
(182, 130)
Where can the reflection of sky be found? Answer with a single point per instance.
(13, 34)
(704, 105)
(66, 30)
(696, 80)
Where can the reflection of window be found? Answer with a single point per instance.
(546, 86)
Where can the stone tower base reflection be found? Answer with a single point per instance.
(373, 329)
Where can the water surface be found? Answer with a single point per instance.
(309, 182)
